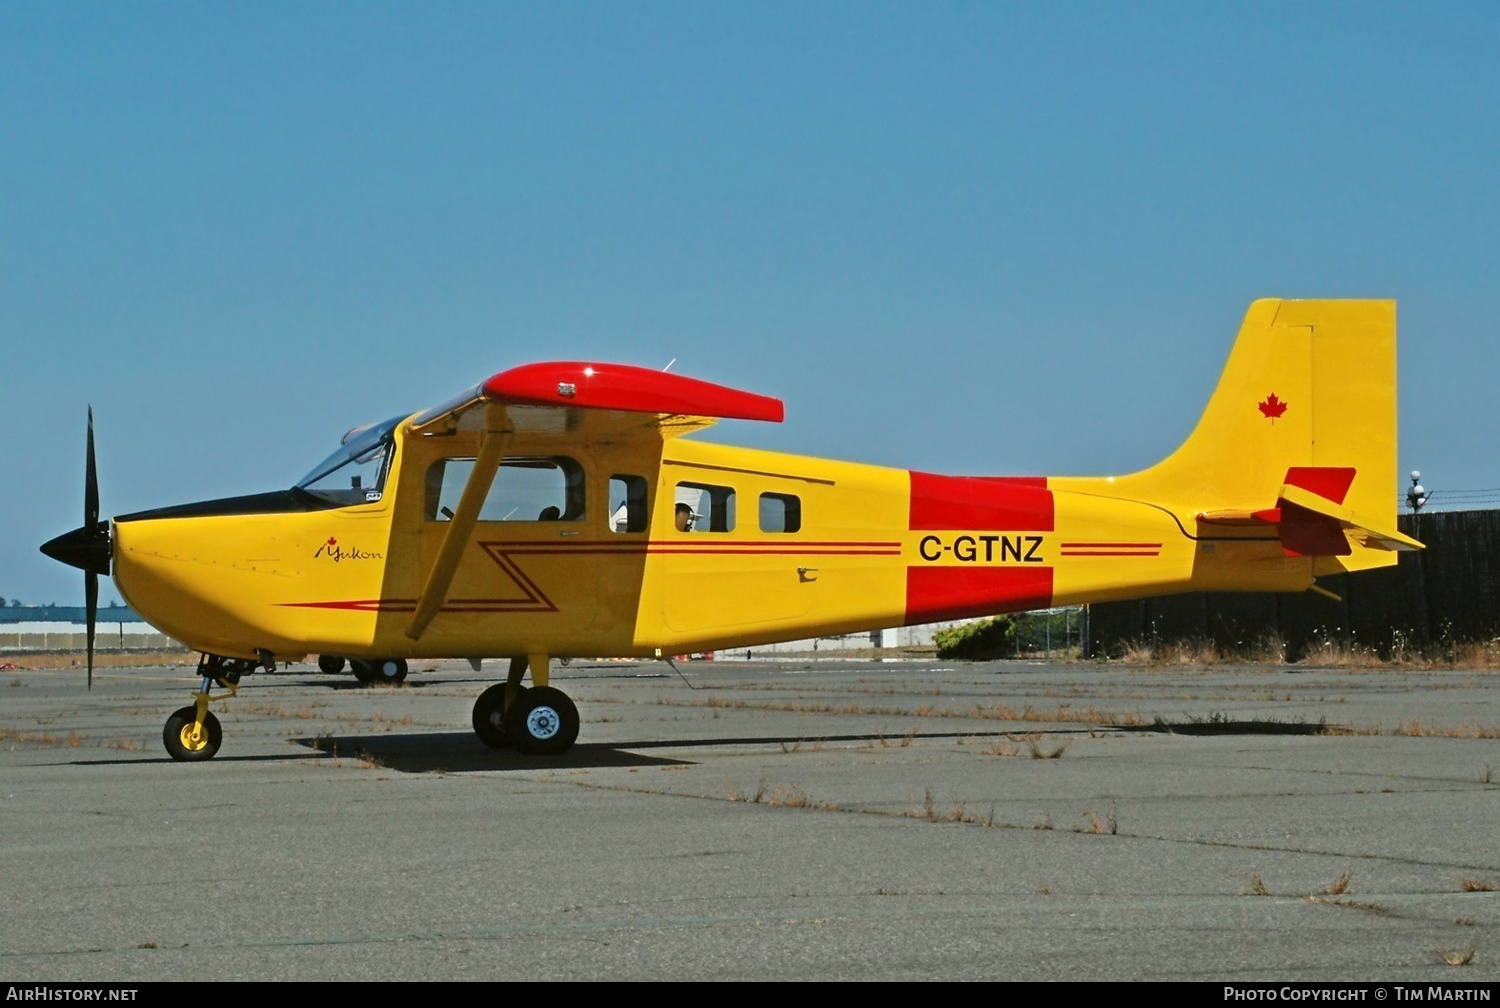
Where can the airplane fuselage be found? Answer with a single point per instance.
(783, 547)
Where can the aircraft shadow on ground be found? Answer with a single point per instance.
(1214, 726)
(459, 752)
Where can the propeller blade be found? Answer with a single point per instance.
(90, 482)
(91, 601)
(90, 521)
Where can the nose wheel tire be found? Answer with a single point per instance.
(489, 716)
(542, 722)
(184, 744)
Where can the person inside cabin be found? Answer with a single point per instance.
(683, 517)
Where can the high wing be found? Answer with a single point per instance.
(547, 396)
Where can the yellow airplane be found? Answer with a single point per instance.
(560, 510)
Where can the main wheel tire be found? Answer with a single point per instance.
(330, 664)
(388, 670)
(363, 671)
(542, 722)
(177, 736)
(489, 716)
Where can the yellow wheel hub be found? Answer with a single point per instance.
(191, 738)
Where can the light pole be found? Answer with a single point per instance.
(1416, 496)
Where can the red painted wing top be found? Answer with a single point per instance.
(621, 387)
(624, 387)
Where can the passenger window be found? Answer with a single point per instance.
(627, 503)
(780, 513)
(525, 489)
(701, 507)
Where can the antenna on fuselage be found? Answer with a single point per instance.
(673, 666)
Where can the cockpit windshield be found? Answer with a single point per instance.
(355, 474)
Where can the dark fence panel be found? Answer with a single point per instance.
(1447, 593)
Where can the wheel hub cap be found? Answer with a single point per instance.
(543, 723)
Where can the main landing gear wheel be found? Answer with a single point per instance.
(542, 722)
(389, 670)
(181, 741)
(489, 716)
(330, 664)
(382, 670)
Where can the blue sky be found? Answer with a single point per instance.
(979, 238)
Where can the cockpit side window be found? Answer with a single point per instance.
(356, 473)
(544, 488)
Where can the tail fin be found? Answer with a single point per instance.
(1300, 434)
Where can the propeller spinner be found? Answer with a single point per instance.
(87, 547)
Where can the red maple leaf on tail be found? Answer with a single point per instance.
(1272, 407)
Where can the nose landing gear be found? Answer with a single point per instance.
(192, 734)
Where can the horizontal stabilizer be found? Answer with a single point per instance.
(1357, 530)
(1310, 524)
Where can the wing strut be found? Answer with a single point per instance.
(456, 539)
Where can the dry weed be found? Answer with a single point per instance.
(1417, 729)
(1477, 655)
(787, 795)
(1093, 824)
(1329, 653)
(1340, 885)
(988, 712)
(369, 760)
(1378, 909)
(1036, 751)
(17, 735)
